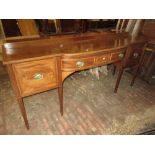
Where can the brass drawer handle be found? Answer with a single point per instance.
(135, 55)
(38, 76)
(121, 55)
(79, 63)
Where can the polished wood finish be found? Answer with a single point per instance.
(57, 57)
(36, 76)
(25, 50)
(120, 72)
(118, 55)
(23, 111)
(103, 59)
(77, 63)
(60, 84)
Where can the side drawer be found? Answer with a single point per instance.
(136, 54)
(77, 63)
(36, 76)
(137, 50)
(117, 56)
(135, 57)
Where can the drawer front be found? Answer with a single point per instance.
(103, 59)
(77, 64)
(36, 76)
(117, 56)
(135, 57)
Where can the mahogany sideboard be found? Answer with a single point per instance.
(39, 64)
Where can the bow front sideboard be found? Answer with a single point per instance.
(39, 64)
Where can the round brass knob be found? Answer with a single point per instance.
(61, 45)
(79, 63)
(103, 58)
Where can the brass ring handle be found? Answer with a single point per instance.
(38, 76)
(121, 55)
(79, 63)
(135, 55)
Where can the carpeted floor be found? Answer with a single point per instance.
(91, 107)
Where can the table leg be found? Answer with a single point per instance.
(137, 69)
(60, 91)
(118, 79)
(114, 70)
(23, 111)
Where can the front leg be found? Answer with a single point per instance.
(60, 92)
(18, 96)
(138, 67)
(118, 79)
(23, 111)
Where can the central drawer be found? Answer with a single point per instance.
(103, 59)
(36, 76)
(77, 63)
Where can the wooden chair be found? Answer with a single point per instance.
(62, 26)
(121, 25)
(27, 27)
(52, 24)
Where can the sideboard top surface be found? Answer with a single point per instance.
(37, 48)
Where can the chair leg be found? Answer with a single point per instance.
(118, 79)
